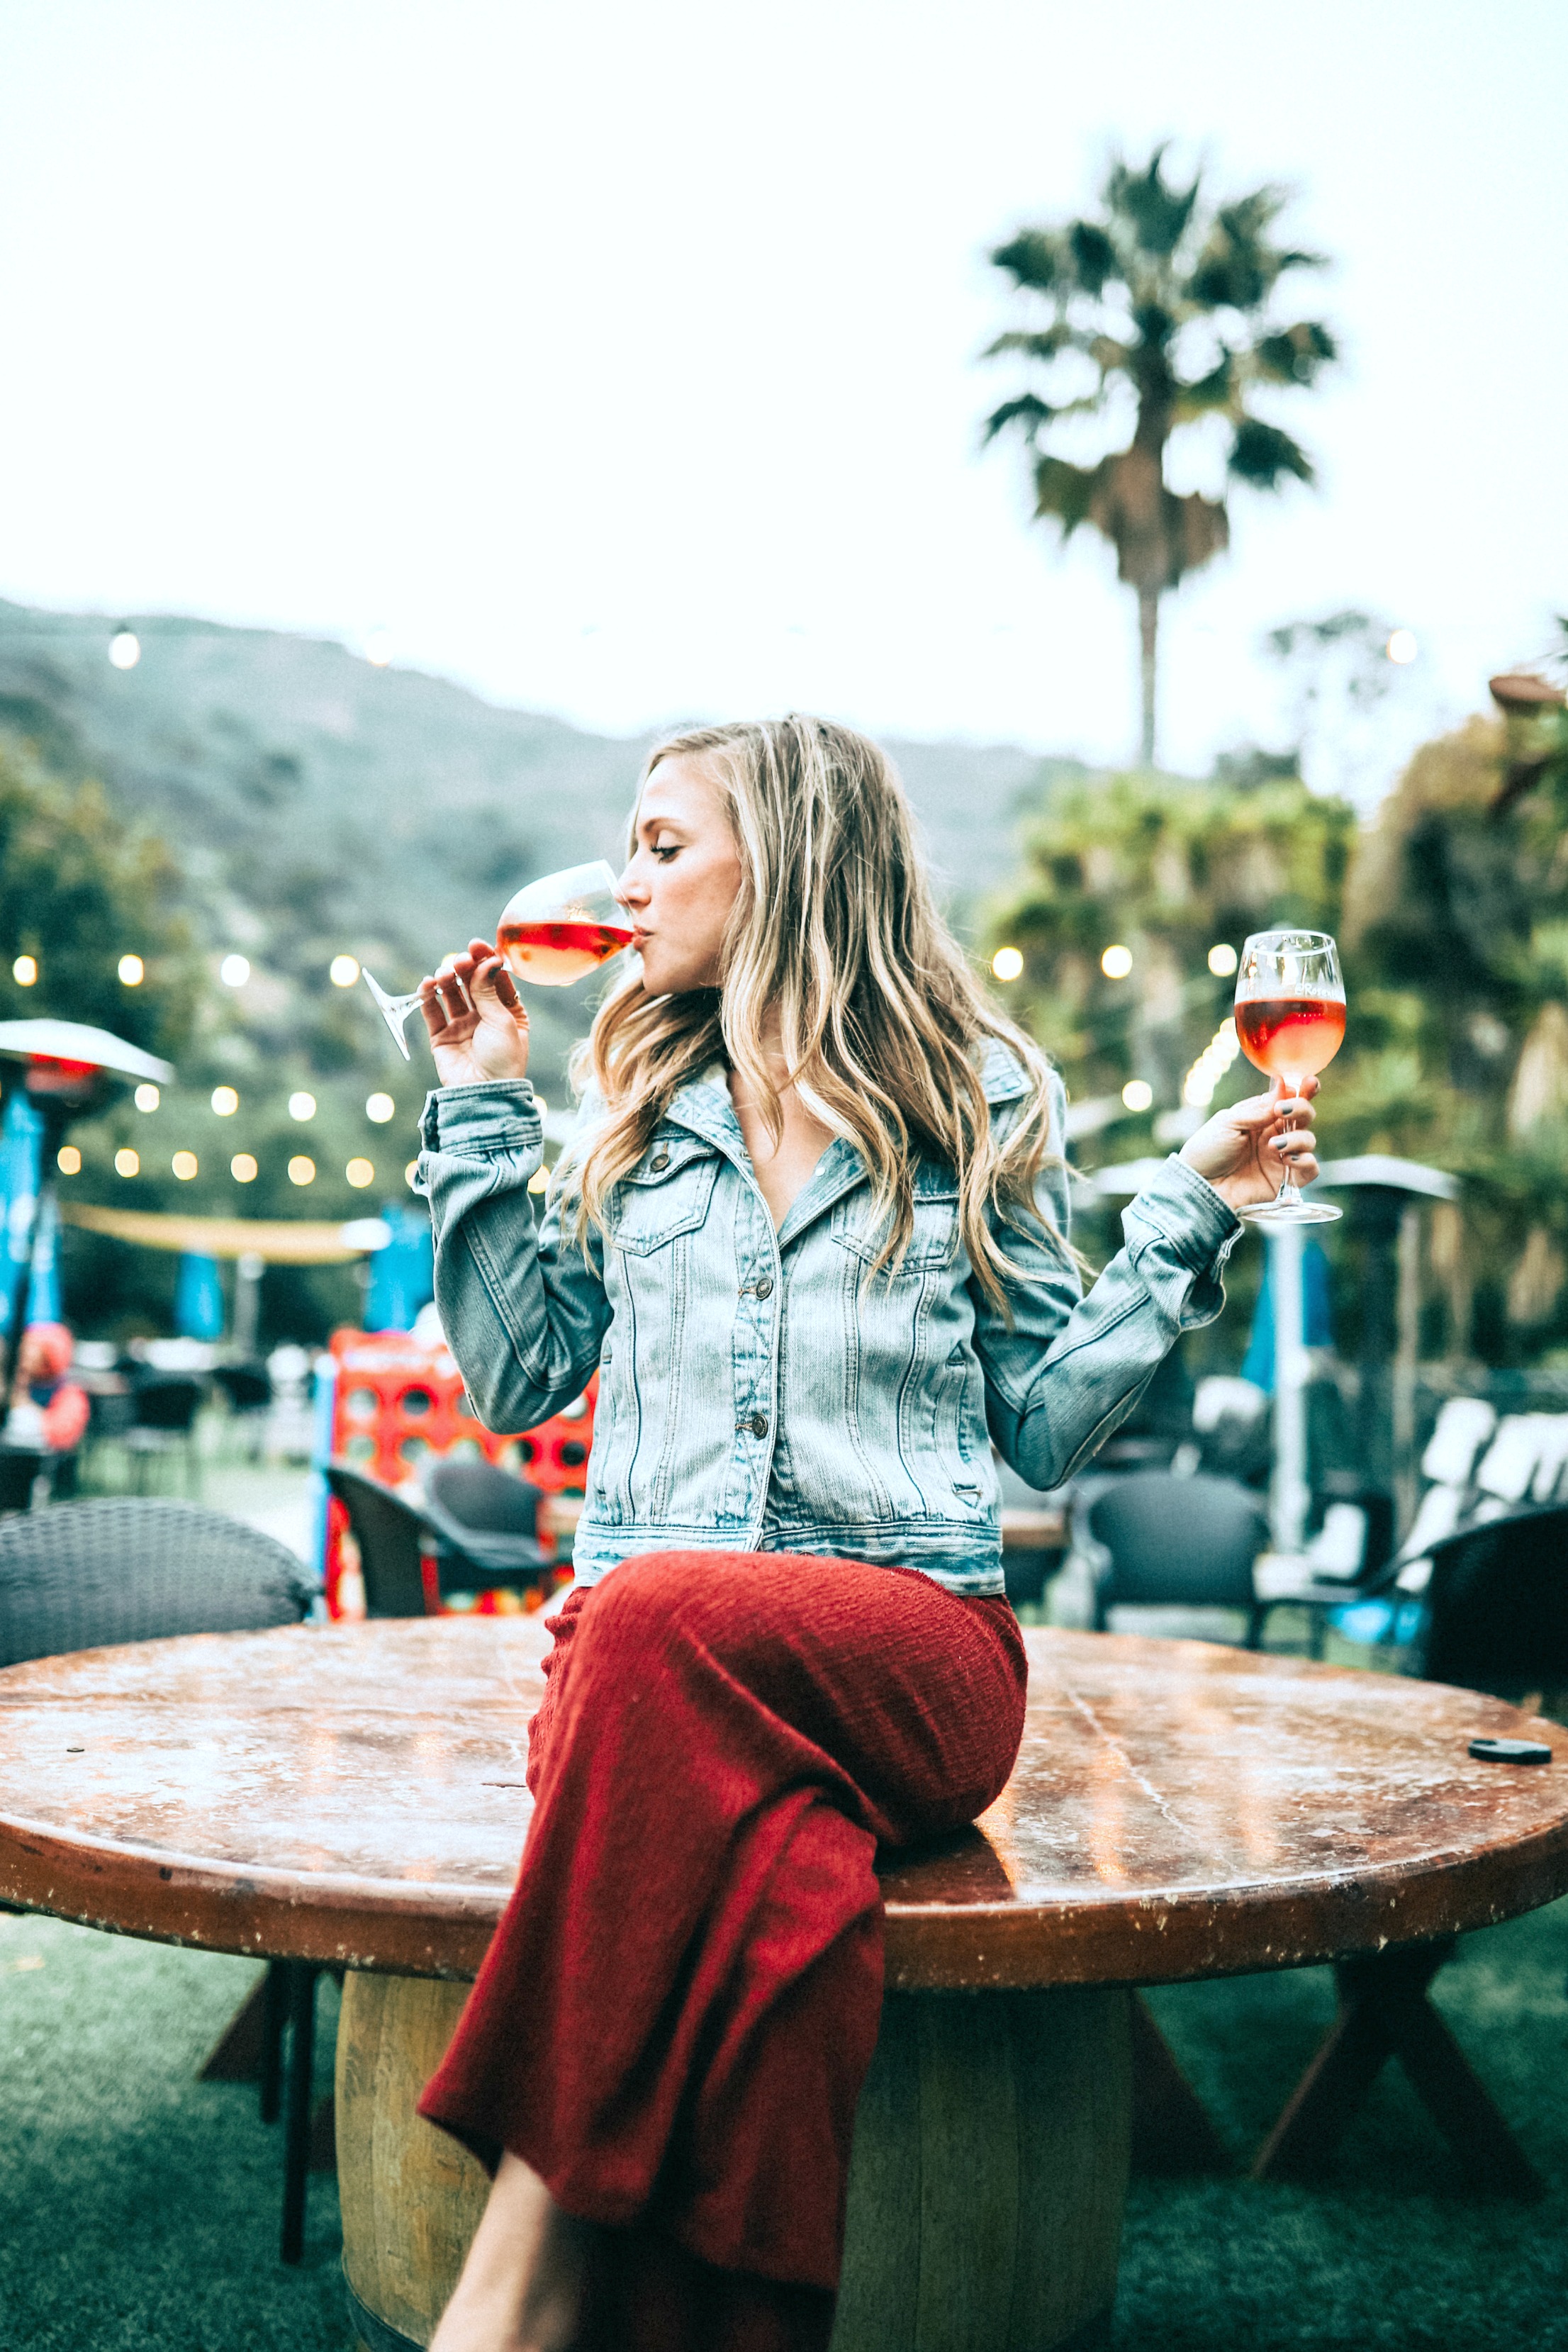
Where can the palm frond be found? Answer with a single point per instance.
(1044, 345)
(1064, 493)
(1262, 456)
(1157, 212)
(1296, 355)
(1034, 258)
(1093, 256)
(1026, 411)
(1207, 392)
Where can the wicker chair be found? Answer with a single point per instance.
(86, 1576)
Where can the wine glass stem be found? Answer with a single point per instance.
(1288, 1191)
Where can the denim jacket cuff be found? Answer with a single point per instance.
(1182, 1209)
(482, 1121)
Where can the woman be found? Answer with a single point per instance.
(812, 1230)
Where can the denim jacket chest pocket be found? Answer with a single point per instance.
(932, 1244)
(668, 1193)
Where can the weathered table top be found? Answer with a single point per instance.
(355, 1793)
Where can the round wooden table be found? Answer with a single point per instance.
(354, 1796)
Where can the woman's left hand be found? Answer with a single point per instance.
(1245, 1152)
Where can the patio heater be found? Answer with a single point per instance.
(69, 1072)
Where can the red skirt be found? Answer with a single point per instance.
(674, 2021)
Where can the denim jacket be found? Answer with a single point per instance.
(756, 1391)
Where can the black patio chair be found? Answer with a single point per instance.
(88, 1576)
(1169, 1542)
(392, 1537)
(1496, 1612)
(164, 1409)
(486, 1523)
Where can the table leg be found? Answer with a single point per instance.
(985, 2193)
(1385, 2012)
(1173, 2138)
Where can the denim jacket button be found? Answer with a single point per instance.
(659, 1164)
(765, 1287)
(758, 1424)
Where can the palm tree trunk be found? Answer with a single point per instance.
(1148, 632)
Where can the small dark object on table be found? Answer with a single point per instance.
(1511, 1752)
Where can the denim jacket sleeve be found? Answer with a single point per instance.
(523, 1306)
(1071, 1367)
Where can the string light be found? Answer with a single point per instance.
(301, 1106)
(380, 1108)
(184, 1165)
(1116, 962)
(133, 971)
(1222, 959)
(146, 1097)
(1137, 1094)
(1006, 963)
(1198, 1086)
(301, 1171)
(234, 970)
(124, 649)
(410, 1172)
(360, 1172)
(67, 1160)
(24, 971)
(1401, 646)
(242, 1168)
(343, 970)
(226, 1102)
(127, 1162)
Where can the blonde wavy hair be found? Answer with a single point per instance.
(837, 936)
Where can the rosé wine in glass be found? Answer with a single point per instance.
(1290, 1019)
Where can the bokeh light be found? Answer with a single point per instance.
(380, 1108)
(410, 1172)
(67, 1160)
(234, 970)
(184, 1165)
(1116, 962)
(146, 1097)
(133, 971)
(127, 1162)
(226, 1102)
(360, 1172)
(242, 1168)
(24, 971)
(301, 1105)
(1401, 646)
(1137, 1094)
(301, 1171)
(1222, 959)
(125, 649)
(343, 970)
(378, 646)
(1006, 963)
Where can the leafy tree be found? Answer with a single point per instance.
(1171, 302)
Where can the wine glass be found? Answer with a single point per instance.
(550, 933)
(1290, 1019)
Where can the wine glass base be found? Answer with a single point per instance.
(1290, 1212)
(393, 1010)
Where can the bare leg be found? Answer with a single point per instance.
(521, 2287)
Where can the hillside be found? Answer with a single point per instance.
(318, 803)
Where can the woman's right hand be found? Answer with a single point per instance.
(476, 1021)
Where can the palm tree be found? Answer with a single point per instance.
(1170, 300)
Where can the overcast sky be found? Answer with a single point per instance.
(621, 361)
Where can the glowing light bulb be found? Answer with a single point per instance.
(147, 1098)
(226, 1102)
(125, 649)
(1401, 646)
(1116, 962)
(410, 1172)
(24, 971)
(234, 970)
(1006, 963)
(1137, 1094)
(360, 1172)
(184, 1165)
(378, 647)
(301, 1106)
(242, 1168)
(1222, 960)
(380, 1108)
(127, 1164)
(301, 1171)
(67, 1160)
(343, 970)
(133, 971)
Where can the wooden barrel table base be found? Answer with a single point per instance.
(354, 1797)
(985, 2190)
